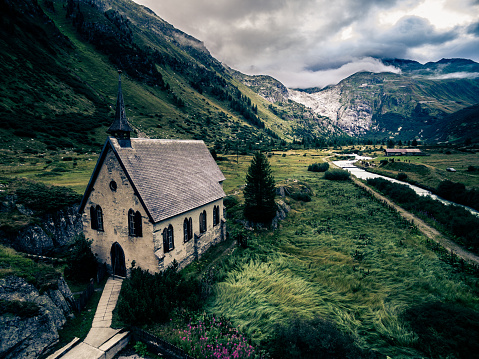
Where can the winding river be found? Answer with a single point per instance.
(364, 175)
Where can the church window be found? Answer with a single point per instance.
(216, 215)
(113, 186)
(99, 218)
(168, 239)
(134, 223)
(138, 227)
(93, 218)
(96, 216)
(203, 222)
(187, 229)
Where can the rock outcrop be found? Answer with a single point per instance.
(51, 232)
(29, 336)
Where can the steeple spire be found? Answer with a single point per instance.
(120, 128)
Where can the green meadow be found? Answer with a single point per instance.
(430, 170)
(343, 256)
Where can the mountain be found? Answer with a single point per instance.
(58, 63)
(416, 102)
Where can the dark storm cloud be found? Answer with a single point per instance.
(299, 41)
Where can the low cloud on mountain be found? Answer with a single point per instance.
(314, 42)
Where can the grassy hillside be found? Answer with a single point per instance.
(58, 62)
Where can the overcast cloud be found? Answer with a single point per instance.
(314, 43)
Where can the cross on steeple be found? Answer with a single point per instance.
(120, 128)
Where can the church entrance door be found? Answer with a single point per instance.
(118, 260)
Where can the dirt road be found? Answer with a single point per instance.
(427, 230)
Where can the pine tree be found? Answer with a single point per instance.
(260, 191)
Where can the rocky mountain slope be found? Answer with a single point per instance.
(403, 106)
(417, 102)
(58, 63)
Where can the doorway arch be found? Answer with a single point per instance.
(117, 260)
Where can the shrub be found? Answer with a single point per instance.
(82, 263)
(230, 201)
(319, 167)
(19, 308)
(146, 298)
(314, 338)
(445, 329)
(45, 199)
(455, 219)
(301, 196)
(337, 175)
(402, 176)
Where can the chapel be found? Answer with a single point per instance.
(152, 201)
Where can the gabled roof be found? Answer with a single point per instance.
(169, 177)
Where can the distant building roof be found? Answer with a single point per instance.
(170, 177)
(402, 150)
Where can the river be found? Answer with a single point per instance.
(364, 175)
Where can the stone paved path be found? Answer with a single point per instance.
(102, 342)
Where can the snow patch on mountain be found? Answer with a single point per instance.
(354, 117)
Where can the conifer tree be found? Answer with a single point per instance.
(260, 191)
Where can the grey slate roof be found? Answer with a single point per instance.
(170, 176)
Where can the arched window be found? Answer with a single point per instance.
(99, 218)
(168, 239)
(187, 229)
(138, 228)
(131, 223)
(216, 215)
(96, 216)
(93, 218)
(134, 223)
(203, 222)
(190, 228)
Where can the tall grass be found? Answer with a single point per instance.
(343, 257)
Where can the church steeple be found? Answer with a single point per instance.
(120, 128)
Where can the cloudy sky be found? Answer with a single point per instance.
(308, 43)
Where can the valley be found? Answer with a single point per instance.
(342, 274)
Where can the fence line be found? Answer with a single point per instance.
(82, 301)
(158, 345)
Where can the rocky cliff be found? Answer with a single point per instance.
(30, 333)
(42, 234)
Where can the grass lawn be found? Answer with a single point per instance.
(431, 170)
(341, 256)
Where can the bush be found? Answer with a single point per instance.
(402, 176)
(82, 263)
(312, 339)
(455, 219)
(445, 329)
(45, 199)
(319, 167)
(230, 201)
(337, 175)
(19, 308)
(147, 298)
(301, 196)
